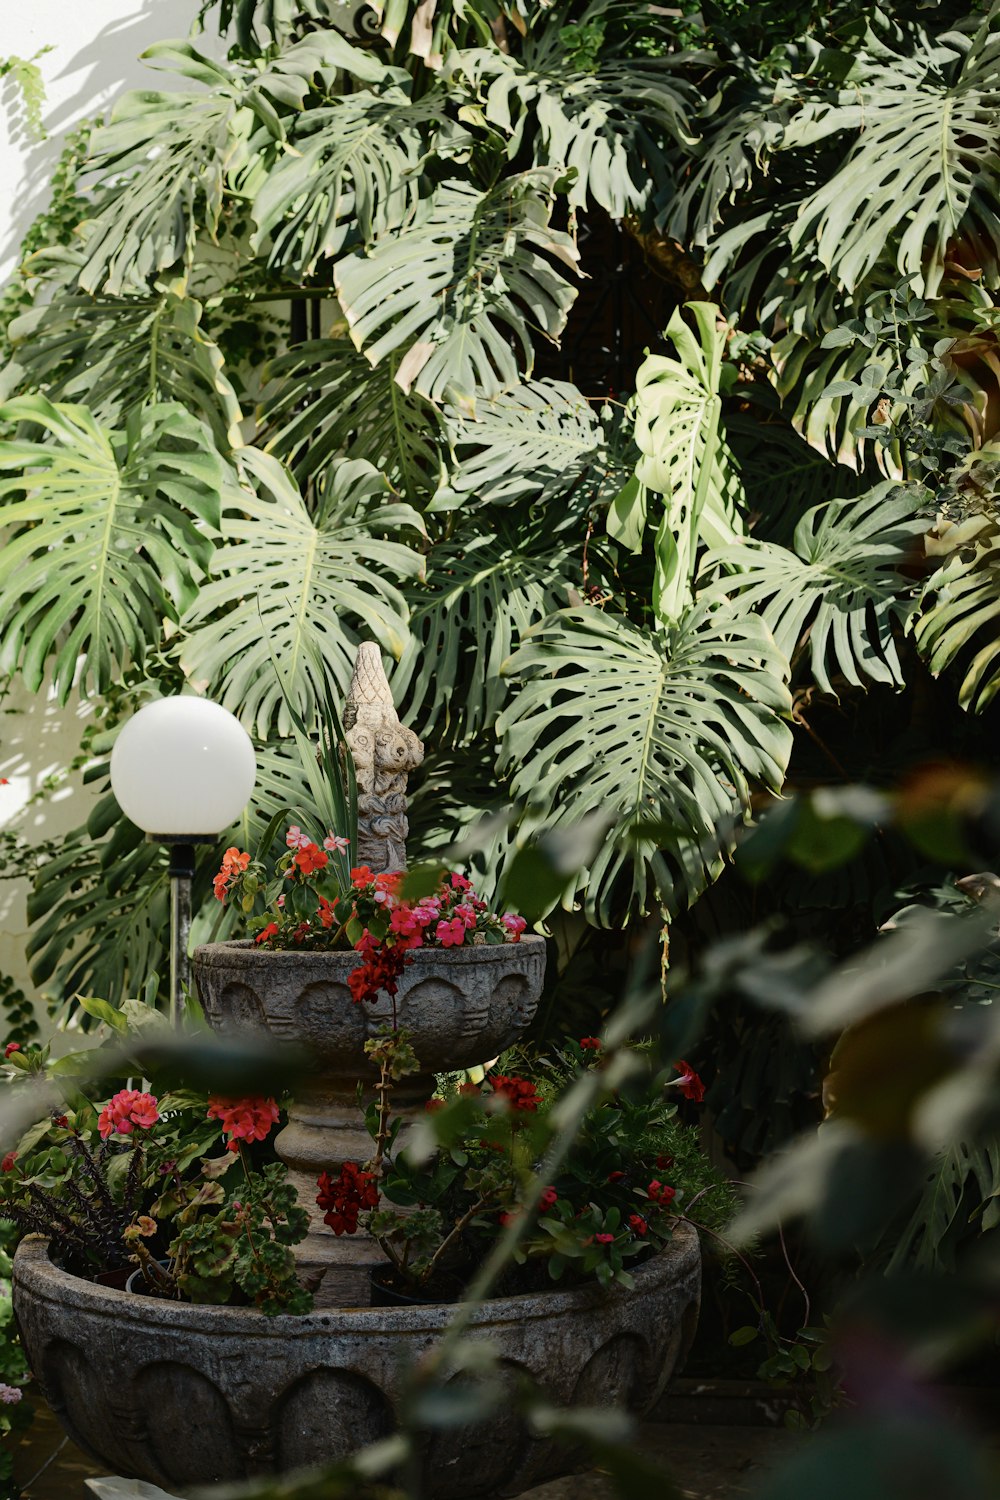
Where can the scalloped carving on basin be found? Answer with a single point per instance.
(461, 1006)
(180, 1395)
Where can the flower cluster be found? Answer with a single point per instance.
(243, 1119)
(316, 901)
(234, 865)
(353, 1192)
(125, 1111)
(518, 1093)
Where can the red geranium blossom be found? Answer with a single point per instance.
(345, 1198)
(518, 1092)
(7, 1165)
(125, 1111)
(243, 1119)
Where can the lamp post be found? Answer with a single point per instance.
(182, 769)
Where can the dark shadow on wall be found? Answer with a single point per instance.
(98, 73)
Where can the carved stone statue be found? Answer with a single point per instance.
(384, 753)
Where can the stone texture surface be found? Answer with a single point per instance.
(461, 1007)
(384, 753)
(179, 1395)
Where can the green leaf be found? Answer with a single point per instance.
(921, 173)
(960, 619)
(457, 290)
(328, 403)
(841, 581)
(291, 588)
(114, 355)
(685, 458)
(663, 729)
(109, 538)
(352, 174)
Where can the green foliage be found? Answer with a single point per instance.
(663, 732)
(106, 542)
(26, 76)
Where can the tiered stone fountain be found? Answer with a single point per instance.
(182, 1395)
(460, 1006)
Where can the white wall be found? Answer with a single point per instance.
(95, 50)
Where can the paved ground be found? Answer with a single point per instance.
(707, 1463)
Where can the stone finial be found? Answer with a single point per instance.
(384, 753)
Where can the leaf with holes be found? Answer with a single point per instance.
(666, 731)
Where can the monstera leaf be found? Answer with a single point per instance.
(684, 458)
(457, 291)
(326, 402)
(118, 354)
(110, 537)
(160, 168)
(664, 732)
(841, 581)
(290, 589)
(483, 592)
(534, 441)
(922, 173)
(610, 123)
(352, 174)
(960, 623)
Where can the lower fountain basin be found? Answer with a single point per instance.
(182, 1395)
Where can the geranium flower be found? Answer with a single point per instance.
(266, 933)
(308, 859)
(243, 1119)
(519, 1093)
(296, 839)
(661, 1193)
(7, 1165)
(125, 1111)
(450, 934)
(347, 1197)
(336, 843)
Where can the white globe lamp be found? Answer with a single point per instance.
(182, 769)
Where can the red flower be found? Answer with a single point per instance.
(638, 1225)
(353, 1191)
(615, 1176)
(125, 1111)
(519, 1093)
(308, 859)
(433, 1105)
(590, 1043)
(459, 883)
(7, 1165)
(689, 1083)
(664, 1163)
(661, 1193)
(233, 864)
(470, 1088)
(266, 933)
(4, 781)
(548, 1198)
(450, 934)
(381, 966)
(11, 1047)
(61, 1121)
(361, 876)
(243, 1119)
(604, 1239)
(515, 925)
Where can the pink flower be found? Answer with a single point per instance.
(604, 1239)
(451, 934)
(336, 843)
(466, 915)
(125, 1111)
(515, 926)
(548, 1198)
(296, 839)
(459, 883)
(243, 1119)
(11, 1047)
